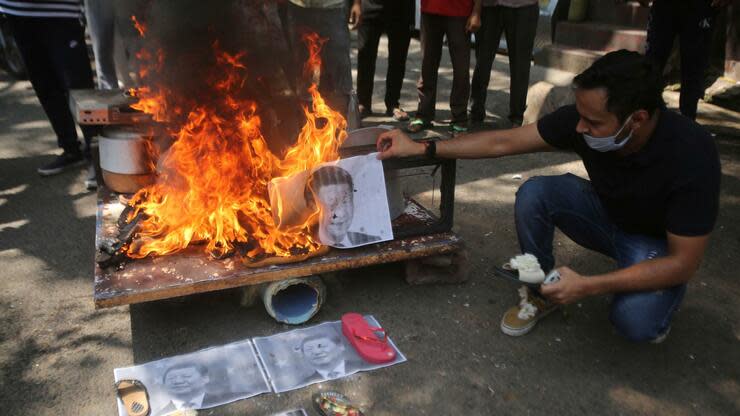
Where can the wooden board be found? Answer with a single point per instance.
(192, 271)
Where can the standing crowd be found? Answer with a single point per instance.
(51, 40)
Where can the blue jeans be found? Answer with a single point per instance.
(571, 204)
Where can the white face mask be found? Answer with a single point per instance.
(608, 143)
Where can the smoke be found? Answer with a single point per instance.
(187, 32)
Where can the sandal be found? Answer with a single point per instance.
(416, 125)
(332, 403)
(398, 114)
(458, 128)
(523, 269)
(134, 396)
(365, 340)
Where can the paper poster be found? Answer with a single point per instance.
(199, 380)
(349, 194)
(311, 355)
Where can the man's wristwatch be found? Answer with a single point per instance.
(431, 149)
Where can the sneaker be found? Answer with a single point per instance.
(365, 111)
(417, 124)
(662, 337)
(91, 180)
(519, 320)
(516, 121)
(458, 128)
(60, 163)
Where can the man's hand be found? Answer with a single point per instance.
(355, 15)
(473, 23)
(569, 289)
(395, 143)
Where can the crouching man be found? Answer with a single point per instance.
(650, 204)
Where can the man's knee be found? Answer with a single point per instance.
(633, 327)
(532, 190)
(645, 316)
(538, 189)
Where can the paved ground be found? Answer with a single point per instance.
(57, 353)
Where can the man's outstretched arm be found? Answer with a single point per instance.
(485, 144)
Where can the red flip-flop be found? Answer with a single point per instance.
(365, 340)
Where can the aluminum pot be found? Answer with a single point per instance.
(126, 158)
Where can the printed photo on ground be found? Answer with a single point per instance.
(311, 355)
(199, 380)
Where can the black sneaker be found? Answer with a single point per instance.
(64, 161)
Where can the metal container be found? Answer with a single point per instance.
(126, 159)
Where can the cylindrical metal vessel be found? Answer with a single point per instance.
(126, 159)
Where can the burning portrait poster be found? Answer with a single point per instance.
(345, 198)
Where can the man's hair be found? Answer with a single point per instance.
(203, 370)
(326, 175)
(632, 82)
(330, 334)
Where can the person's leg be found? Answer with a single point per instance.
(368, 37)
(695, 37)
(458, 43)
(567, 202)
(399, 37)
(32, 37)
(432, 36)
(521, 27)
(643, 316)
(487, 40)
(661, 31)
(100, 20)
(336, 66)
(71, 62)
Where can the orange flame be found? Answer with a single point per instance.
(140, 27)
(212, 184)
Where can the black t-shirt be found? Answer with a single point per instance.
(671, 184)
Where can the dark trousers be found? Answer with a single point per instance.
(56, 59)
(433, 31)
(692, 21)
(368, 37)
(520, 25)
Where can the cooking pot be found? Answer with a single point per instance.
(126, 158)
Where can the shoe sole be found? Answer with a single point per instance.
(517, 332)
(56, 171)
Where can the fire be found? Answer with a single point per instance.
(139, 26)
(212, 183)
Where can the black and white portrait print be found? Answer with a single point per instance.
(199, 380)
